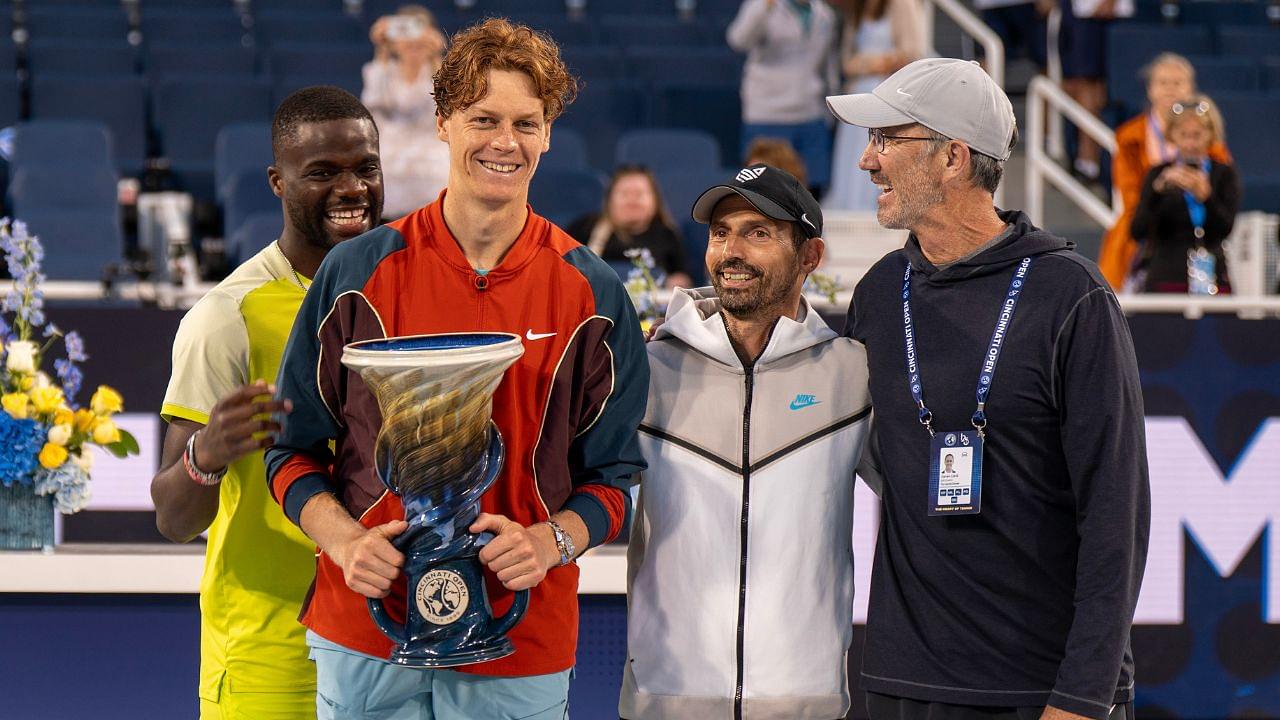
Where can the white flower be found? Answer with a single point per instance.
(42, 380)
(22, 356)
(84, 460)
(60, 434)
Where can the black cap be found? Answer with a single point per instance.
(775, 193)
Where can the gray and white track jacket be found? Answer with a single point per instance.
(740, 569)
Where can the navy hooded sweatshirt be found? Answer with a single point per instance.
(1029, 602)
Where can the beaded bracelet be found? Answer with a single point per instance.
(564, 543)
(193, 471)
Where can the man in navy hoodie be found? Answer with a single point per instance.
(1008, 591)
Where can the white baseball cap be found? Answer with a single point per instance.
(956, 98)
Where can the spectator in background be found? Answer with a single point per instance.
(407, 49)
(1021, 27)
(880, 37)
(1187, 206)
(1082, 46)
(1141, 143)
(778, 153)
(791, 67)
(634, 216)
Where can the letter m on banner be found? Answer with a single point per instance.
(1224, 516)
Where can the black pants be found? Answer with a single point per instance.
(888, 707)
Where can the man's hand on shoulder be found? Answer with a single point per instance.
(520, 556)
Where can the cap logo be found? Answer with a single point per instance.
(748, 174)
(804, 218)
(900, 92)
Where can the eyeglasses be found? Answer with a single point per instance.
(876, 137)
(1201, 108)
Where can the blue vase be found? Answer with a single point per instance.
(26, 519)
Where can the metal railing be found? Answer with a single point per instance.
(1045, 99)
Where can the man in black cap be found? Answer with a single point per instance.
(740, 563)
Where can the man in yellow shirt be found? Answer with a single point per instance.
(258, 565)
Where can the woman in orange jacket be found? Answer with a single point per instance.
(1140, 145)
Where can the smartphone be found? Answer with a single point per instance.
(405, 28)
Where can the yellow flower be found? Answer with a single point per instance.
(105, 432)
(46, 399)
(60, 434)
(63, 416)
(26, 383)
(15, 404)
(85, 420)
(106, 401)
(52, 455)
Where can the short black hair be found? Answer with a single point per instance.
(318, 103)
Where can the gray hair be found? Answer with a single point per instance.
(985, 171)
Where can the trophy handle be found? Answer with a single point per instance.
(377, 610)
(503, 625)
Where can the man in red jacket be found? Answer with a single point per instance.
(476, 259)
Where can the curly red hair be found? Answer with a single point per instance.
(499, 44)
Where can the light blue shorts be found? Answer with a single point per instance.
(351, 685)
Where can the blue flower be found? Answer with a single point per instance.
(70, 377)
(22, 441)
(69, 485)
(75, 347)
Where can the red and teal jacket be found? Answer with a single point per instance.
(568, 409)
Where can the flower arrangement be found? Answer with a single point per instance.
(642, 285)
(45, 435)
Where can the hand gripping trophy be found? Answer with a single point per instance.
(439, 450)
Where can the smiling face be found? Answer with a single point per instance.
(754, 264)
(495, 144)
(330, 179)
(632, 203)
(904, 172)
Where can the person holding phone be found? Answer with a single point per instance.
(1187, 207)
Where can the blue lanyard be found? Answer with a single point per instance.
(1195, 208)
(1165, 156)
(989, 360)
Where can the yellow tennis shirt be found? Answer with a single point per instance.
(258, 565)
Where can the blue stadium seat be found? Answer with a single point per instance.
(594, 63)
(67, 56)
(10, 99)
(633, 7)
(663, 149)
(220, 26)
(119, 102)
(269, 6)
(563, 30)
(1252, 41)
(247, 193)
(1261, 192)
(227, 60)
(1228, 74)
(240, 147)
(705, 66)
(568, 151)
(560, 195)
(74, 212)
(1270, 68)
(189, 113)
(55, 143)
(695, 248)
(642, 31)
(348, 80)
(312, 59)
(716, 109)
(82, 24)
(518, 8)
(681, 188)
(1130, 46)
(8, 55)
(1250, 119)
(601, 113)
(254, 234)
(286, 28)
(1222, 12)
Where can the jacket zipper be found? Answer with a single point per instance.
(742, 568)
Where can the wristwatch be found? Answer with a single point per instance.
(564, 543)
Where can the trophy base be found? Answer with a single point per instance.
(406, 657)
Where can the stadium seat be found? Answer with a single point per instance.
(67, 56)
(563, 30)
(189, 113)
(349, 80)
(77, 23)
(1228, 74)
(313, 59)
(602, 112)
(10, 99)
(56, 143)
(561, 195)
(1130, 46)
(1222, 12)
(568, 151)
(119, 102)
(335, 7)
(220, 26)
(515, 9)
(594, 63)
(662, 149)
(247, 193)
(1271, 74)
(254, 234)
(716, 109)
(231, 60)
(8, 55)
(240, 147)
(1251, 41)
(643, 31)
(73, 210)
(695, 248)
(286, 28)
(633, 7)
(1249, 119)
(681, 188)
(704, 66)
